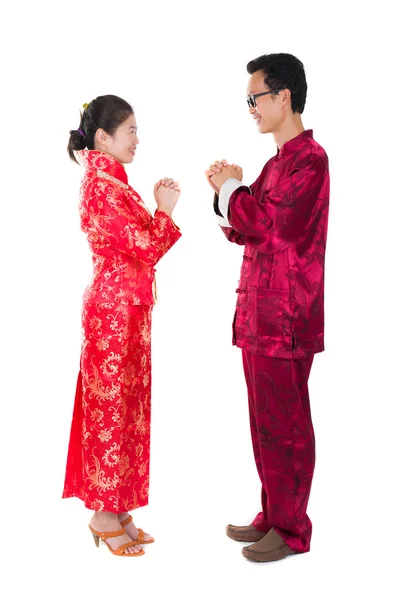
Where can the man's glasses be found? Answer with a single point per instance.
(251, 100)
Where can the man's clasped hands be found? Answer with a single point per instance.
(221, 171)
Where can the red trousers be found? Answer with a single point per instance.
(283, 443)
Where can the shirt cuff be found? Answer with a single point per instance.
(225, 193)
(223, 222)
(215, 205)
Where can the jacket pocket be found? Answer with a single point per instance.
(267, 311)
(241, 319)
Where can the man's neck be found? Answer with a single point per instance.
(288, 130)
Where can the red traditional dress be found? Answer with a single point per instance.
(109, 449)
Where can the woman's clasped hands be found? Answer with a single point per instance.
(166, 194)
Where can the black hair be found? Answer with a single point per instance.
(283, 71)
(105, 112)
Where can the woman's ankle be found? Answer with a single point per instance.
(104, 517)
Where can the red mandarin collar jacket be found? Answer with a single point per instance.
(125, 239)
(281, 220)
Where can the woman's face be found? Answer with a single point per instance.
(122, 145)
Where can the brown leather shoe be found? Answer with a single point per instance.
(246, 533)
(271, 547)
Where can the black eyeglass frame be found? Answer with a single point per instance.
(251, 100)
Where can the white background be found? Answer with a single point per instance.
(183, 67)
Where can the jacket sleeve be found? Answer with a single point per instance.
(230, 234)
(117, 226)
(278, 217)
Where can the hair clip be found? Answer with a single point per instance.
(85, 106)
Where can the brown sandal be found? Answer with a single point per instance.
(104, 535)
(140, 538)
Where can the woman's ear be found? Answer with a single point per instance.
(101, 136)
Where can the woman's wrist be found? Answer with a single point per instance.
(166, 210)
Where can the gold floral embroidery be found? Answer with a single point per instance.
(97, 478)
(102, 344)
(109, 455)
(96, 415)
(139, 449)
(95, 323)
(98, 389)
(141, 426)
(109, 177)
(110, 364)
(105, 435)
(98, 505)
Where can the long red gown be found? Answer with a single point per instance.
(109, 449)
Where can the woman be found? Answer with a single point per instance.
(109, 448)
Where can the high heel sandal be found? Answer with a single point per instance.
(140, 538)
(104, 535)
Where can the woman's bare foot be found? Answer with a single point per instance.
(131, 529)
(106, 521)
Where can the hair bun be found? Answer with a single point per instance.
(77, 140)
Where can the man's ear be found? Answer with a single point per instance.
(286, 96)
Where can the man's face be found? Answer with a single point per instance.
(270, 110)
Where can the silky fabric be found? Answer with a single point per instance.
(283, 444)
(282, 222)
(108, 462)
(109, 449)
(126, 241)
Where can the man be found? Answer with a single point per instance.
(281, 220)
